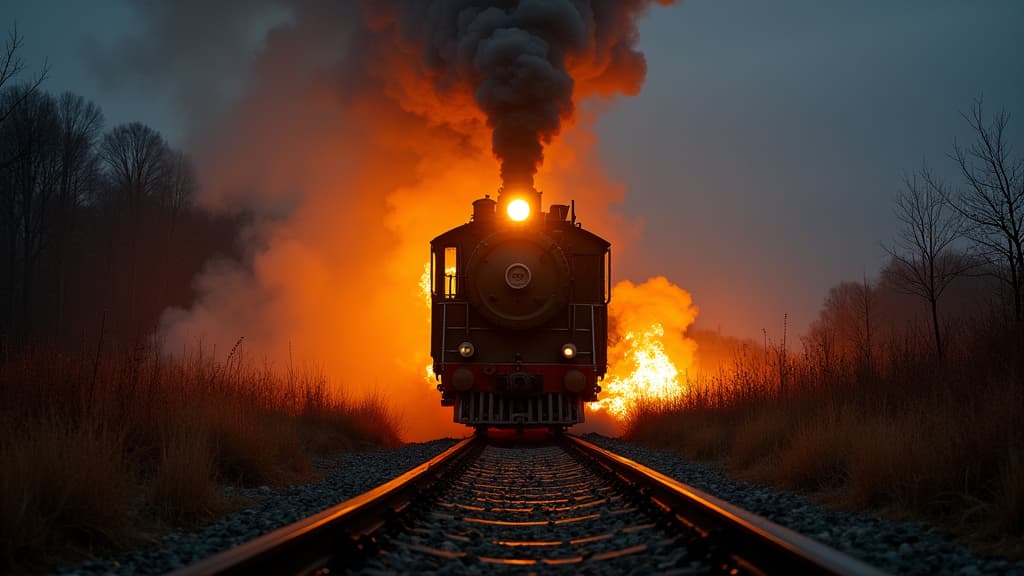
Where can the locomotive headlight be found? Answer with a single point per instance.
(518, 209)
(568, 351)
(466, 349)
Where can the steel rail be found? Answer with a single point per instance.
(329, 539)
(759, 544)
(307, 546)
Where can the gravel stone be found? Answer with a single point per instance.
(896, 547)
(347, 475)
(536, 508)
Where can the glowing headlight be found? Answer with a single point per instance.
(569, 351)
(466, 349)
(518, 209)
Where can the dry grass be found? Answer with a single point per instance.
(905, 434)
(757, 438)
(813, 458)
(98, 450)
(65, 484)
(183, 487)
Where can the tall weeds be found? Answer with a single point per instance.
(901, 431)
(97, 450)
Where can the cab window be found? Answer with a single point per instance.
(451, 272)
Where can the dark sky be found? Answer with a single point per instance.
(771, 137)
(763, 153)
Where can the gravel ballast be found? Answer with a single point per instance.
(353, 474)
(896, 547)
(520, 509)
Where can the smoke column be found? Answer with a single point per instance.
(522, 61)
(351, 135)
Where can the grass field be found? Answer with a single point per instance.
(103, 451)
(896, 430)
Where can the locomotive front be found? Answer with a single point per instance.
(519, 314)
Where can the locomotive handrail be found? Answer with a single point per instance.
(608, 277)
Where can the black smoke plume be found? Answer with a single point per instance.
(521, 60)
(351, 133)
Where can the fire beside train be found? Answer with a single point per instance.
(519, 322)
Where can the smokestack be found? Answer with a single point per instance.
(530, 194)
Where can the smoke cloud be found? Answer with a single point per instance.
(525, 63)
(356, 132)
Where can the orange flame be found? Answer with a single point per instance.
(648, 348)
(427, 290)
(425, 287)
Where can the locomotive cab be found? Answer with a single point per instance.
(519, 314)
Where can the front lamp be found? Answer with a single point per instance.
(518, 210)
(466, 349)
(568, 351)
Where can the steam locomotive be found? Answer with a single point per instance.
(519, 322)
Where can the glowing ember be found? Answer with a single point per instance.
(651, 353)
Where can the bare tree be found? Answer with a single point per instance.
(80, 124)
(865, 306)
(179, 183)
(847, 322)
(992, 202)
(924, 260)
(134, 155)
(11, 66)
(28, 145)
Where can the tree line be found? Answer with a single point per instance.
(99, 230)
(959, 252)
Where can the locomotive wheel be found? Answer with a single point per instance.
(518, 278)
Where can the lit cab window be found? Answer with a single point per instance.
(451, 278)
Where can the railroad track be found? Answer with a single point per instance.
(516, 505)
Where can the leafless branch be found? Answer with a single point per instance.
(992, 200)
(11, 65)
(925, 262)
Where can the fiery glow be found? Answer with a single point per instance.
(346, 190)
(451, 269)
(518, 210)
(653, 376)
(648, 354)
(427, 291)
(425, 287)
